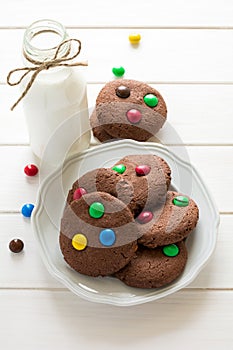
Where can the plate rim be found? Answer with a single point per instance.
(39, 206)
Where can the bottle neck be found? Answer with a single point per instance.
(41, 40)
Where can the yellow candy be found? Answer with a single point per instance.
(79, 241)
(134, 38)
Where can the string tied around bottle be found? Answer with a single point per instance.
(44, 65)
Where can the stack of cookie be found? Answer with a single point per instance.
(128, 109)
(124, 222)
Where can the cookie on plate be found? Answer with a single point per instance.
(98, 235)
(168, 223)
(153, 268)
(127, 181)
(150, 177)
(102, 180)
(128, 109)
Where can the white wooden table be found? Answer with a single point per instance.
(186, 52)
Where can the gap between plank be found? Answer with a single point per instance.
(116, 27)
(163, 82)
(60, 289)
(166, 145)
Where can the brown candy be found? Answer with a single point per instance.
(123, 91)
(16, 245)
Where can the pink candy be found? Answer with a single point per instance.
(134, 116)
(142, 170)
(79, 193)
(145, 217)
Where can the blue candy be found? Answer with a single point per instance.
(27, 210)
(107, 237)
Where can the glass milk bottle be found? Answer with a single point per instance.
(55, 105)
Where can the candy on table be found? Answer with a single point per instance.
(118, 71)
(27, 210)
(134, 38)
(16, 245)
(31, 170)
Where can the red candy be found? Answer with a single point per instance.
(134, 116)
(145, 217)
(31, 170)
(79, 193)
(142, 170)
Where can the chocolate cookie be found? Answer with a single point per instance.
(98, 235)
(150, 177)
(169, 223)
(98, 130)
(129, 109)
(153, 268)
(102, 180)
(136, 190)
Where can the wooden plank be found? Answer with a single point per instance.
(214, 163)
(200, 114)
(200, 319)
(216, 167)
(17, 188)
(195, 115)
(163, 55)
(219, 270)
(124, 13)
(31, 272)
(24, 270)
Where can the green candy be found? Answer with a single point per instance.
(96, 210)
(171, 250)
(181, 201)
(119, 168)
(118, 71)
(151, 100)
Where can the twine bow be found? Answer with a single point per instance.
(43, 65)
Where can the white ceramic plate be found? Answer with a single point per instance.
(50, 204)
